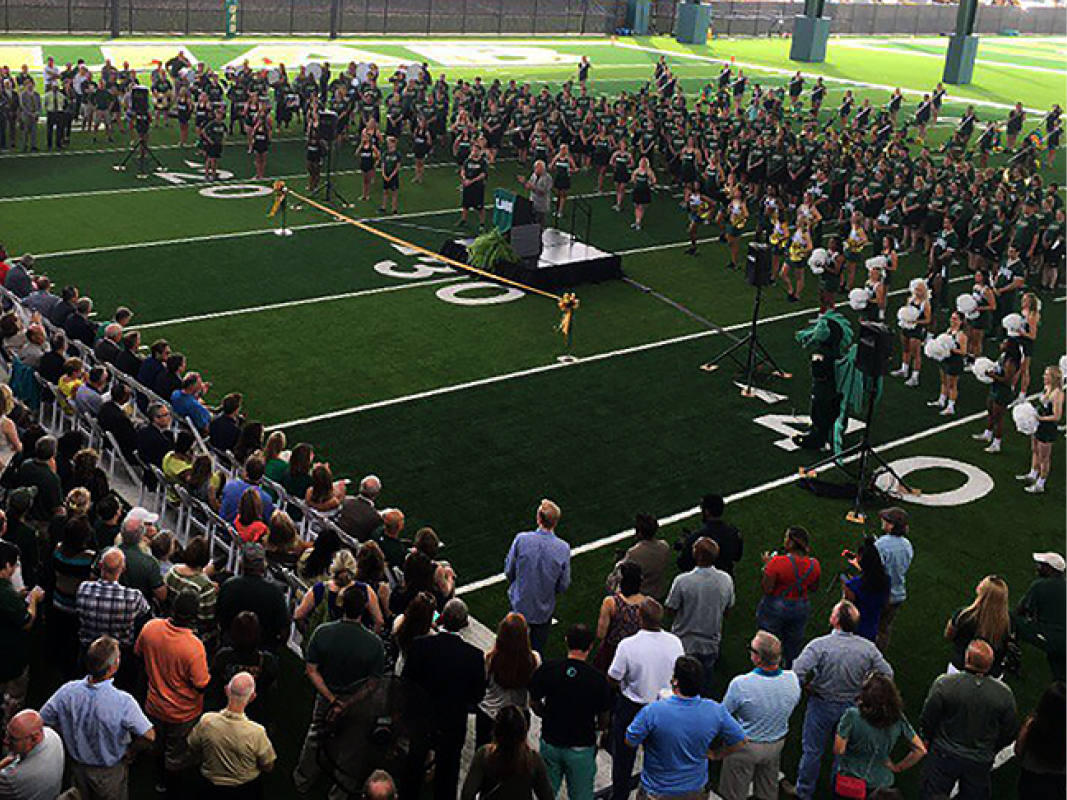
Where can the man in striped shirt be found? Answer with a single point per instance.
(106, 607)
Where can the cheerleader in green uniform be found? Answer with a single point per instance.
(1049, 413)
(562, 168)
(986, 300)
(952, 367)
(644, 181)
(855, 243)
(912, 338)
(1001, 393)
(622, 161)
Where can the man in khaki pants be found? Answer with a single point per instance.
(761, 701)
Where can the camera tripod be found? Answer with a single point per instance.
(143, 153)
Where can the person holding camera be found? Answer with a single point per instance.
(788, 580)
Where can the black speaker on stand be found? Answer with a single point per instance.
(142, 124)
(328, 125)
(874, 356)
(758, 273)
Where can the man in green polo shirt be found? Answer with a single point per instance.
(1042, 614)
(17, 615)
(142, 569)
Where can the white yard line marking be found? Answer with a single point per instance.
(543, 368)
(196, 185)
(307, 301)
(854, 45)
(812, 76)
(105, 150)
(211, 237)
(785, 480)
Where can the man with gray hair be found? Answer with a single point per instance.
(102, 727)
(232, 751)
(761, 701)
(78, 326)
(142, 570)
(538, 569)
(110, 346)
(33, 768)
(358, 517)
(451, 672)
(539, 184)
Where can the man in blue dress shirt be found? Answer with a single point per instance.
(538, 567)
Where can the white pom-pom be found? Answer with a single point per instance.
(908, 317)
(1025, 416)
(1063, 368)
(984, 369)
(939, 348)
(858, 299)
(967, 305)
(1013, 324)
(915, 284)
(878, 262)
(817, 260)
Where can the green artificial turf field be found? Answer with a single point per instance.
(465, 411)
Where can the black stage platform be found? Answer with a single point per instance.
(564, 262)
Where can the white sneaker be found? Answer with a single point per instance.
(948, 411)
(938, 403)
(984, 436)
(913, 380)
(1029, 477)
(1034, 488)
(900, 373)
(993, 448)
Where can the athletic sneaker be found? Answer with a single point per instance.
(1035, 488)
(993, 448)
(1027, 478)
(900, 373)
(984, 436)
(936, 403)
(948, 411)
(913, 380)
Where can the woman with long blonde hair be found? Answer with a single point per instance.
(988, 618)
(1031, 311)
(1049, 413)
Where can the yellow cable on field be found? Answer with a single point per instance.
(566, 303)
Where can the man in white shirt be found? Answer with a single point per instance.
(642, 669)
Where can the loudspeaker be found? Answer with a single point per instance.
(874, 349)
(327, 125)
(139, 100)
(758, 267)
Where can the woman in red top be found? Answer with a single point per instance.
(788, 580)
(249, 523)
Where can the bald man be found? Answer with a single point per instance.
(33, 769)
(233, 752)
(393, 547)
(967, 719)
(359, 517)
(106, 607)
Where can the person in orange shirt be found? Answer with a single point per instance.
(176, 665)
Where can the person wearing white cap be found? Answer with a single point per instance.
(1042, 613)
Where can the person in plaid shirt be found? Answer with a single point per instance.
(106, 607)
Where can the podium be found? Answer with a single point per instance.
(692, 22)
(513, 215)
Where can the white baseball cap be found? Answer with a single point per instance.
(1054, 560)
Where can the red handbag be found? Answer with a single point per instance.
(850, 788)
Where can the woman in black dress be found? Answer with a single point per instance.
(644, 181)
(259, 136)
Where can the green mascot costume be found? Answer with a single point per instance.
(830, 338)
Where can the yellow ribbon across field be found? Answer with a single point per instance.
(567, 304)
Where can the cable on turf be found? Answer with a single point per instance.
(567, 303)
